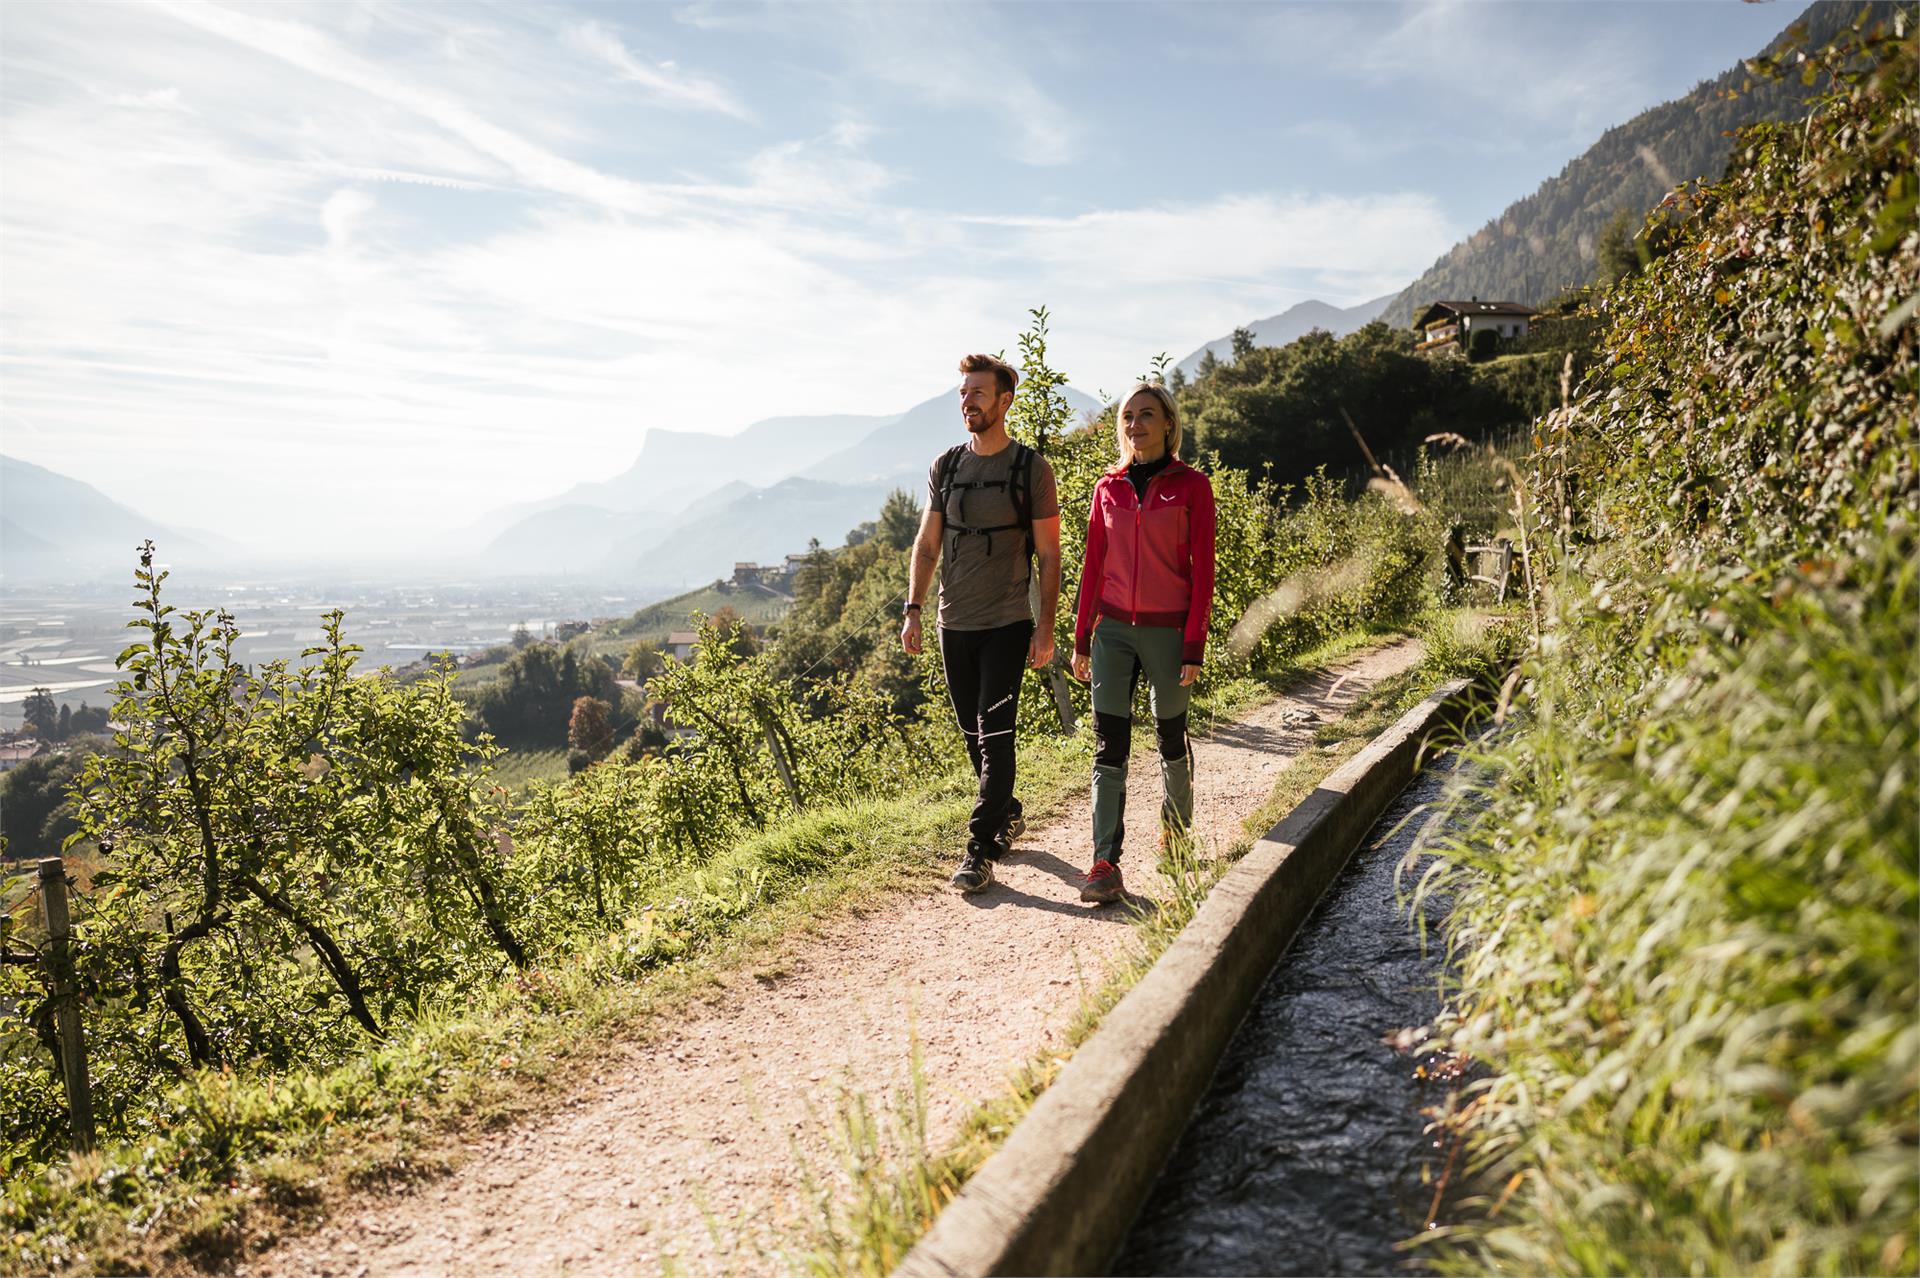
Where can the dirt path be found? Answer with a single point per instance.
(681, 1153)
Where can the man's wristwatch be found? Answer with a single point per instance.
(911, 608)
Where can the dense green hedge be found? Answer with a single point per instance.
(1688, 915)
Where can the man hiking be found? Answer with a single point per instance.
(993, 513)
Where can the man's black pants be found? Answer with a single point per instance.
(983, 669)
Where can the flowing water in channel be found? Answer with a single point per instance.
(1309, 1153)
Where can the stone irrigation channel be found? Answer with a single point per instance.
(1061, 1195)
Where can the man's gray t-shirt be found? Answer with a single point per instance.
(983, 579)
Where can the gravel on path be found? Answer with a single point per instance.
(683, 1153)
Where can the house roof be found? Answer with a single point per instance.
(1472, 306)
(683, 636)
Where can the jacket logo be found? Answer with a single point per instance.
(1169, 496)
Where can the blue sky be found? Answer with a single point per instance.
(405, 262)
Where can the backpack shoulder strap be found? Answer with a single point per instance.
(943, 476)
(1021, 490)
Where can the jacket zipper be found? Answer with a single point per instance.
(1139, 504)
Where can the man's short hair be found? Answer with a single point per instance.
(1003, 372)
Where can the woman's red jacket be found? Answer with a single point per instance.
(1149, 562)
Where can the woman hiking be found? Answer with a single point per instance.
(1146, 591)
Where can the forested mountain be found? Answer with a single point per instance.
(1293, 409)
(1548, 241)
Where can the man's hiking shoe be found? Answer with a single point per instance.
(974, 875)
(1016, 826)
(1102, 883)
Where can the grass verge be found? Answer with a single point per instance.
(257, 1158)
(1687, 921)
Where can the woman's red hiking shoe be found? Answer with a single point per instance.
(1102, 883)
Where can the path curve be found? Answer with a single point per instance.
(680, 1152)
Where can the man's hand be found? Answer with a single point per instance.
(1083, 667)
(1040, 647)
(910, 634)
(1188, 674)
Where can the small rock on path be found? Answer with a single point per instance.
(681, 1153)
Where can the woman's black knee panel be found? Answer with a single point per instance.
(1173, 736)
(1112, 735)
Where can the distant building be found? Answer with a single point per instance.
(15, 753)
(1447, 328)
(679, 644)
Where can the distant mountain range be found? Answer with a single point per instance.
(692, 505)
(688, 508)
(56, 528)
(675, 468)
(1294, 322)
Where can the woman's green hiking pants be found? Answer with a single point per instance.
(1121, 654)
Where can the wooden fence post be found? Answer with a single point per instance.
(66, 1001)
(781, 764)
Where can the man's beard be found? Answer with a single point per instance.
(979, 425)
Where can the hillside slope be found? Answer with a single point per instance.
(1548, 241)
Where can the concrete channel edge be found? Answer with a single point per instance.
(1059, 1196)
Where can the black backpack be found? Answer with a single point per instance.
(1019, 486)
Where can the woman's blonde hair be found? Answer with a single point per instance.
(1167, 407)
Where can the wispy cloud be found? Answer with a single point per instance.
(1514, 67)
(1468, 67)
(1238, 238)
(167, 99)
(830, 171)
(954, 58)
(969, 60)
(313, 52)
(405, 261)
(665, 82)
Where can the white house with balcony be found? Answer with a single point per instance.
(1448, 328)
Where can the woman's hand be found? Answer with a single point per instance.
(1188, 674)
(1083, 667)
